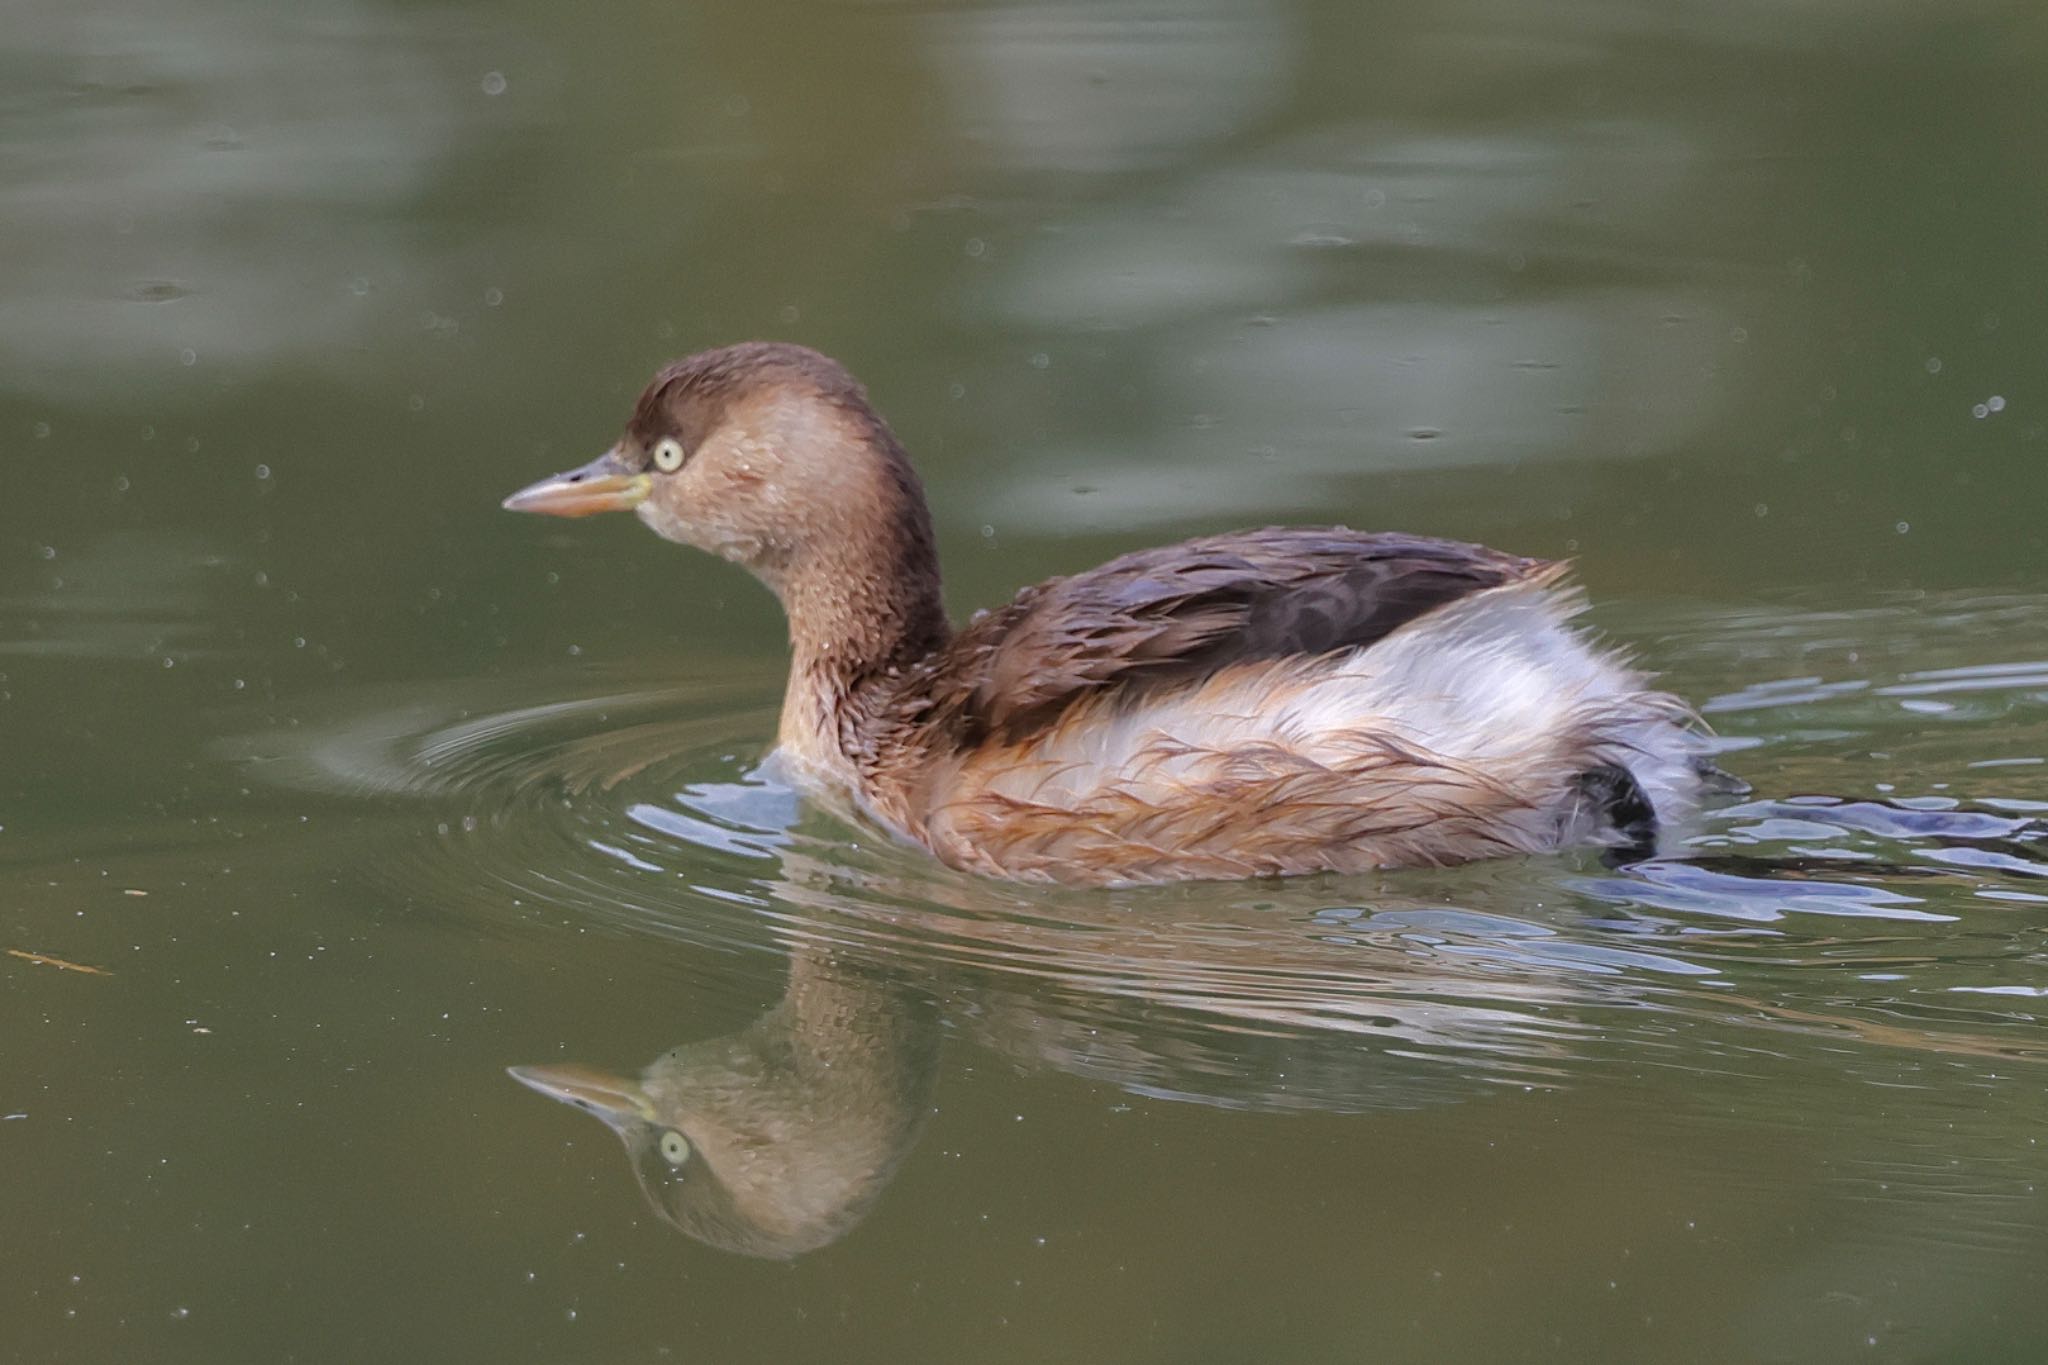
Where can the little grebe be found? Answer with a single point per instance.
(1277, 701)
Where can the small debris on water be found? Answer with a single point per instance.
(45, 960)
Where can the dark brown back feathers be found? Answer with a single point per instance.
(1181, 611)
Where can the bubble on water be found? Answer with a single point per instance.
(1934, 364)
(1979, 410)
(42, 430)
(493, 296)
(188, 356)
(359, 286)
(262, 471)
(1040, 360)
(1995, 403)
(1903, 527)
(1738, 334)
(788, 313)
(976, 247)
(493, 83)
(1763, 509)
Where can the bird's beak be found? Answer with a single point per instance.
(606, 484)
(614, 1099)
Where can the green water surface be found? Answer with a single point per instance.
(352, 791)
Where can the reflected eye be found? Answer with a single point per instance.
(668, 458)
(675, 1148)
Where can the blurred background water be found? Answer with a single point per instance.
(328, 791)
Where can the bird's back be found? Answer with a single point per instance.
(1282, 701)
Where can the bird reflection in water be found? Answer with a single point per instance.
(778, 1139)
(775, 1140)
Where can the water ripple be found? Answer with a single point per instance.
(1879, 882)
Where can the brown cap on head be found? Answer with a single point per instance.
(689, 398)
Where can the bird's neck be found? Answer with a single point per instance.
(853, 1017)
(862, 611)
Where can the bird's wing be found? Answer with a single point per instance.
(1181, 611)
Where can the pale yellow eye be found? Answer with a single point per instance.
(668, 458)
(675, 1148)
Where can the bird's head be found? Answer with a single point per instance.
(764, 453)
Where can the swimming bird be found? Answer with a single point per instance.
(1267, 702)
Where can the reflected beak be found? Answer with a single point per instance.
(614, 1099)
(606, 484)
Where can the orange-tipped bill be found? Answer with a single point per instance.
(614, 1099)
(606, 484)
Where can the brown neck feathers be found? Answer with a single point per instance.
(867, 601)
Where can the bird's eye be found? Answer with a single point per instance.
(668, 458)
(675, 1148)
